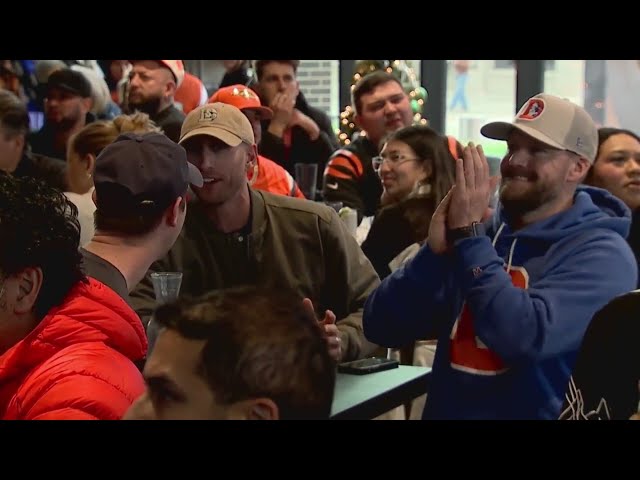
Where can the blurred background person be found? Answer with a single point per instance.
(67, 108)
(15, 154)
(151, 89)
(617, 169)
(237, 72)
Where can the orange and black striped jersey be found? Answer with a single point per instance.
(349, 178)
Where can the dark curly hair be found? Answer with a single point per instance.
(39, 228)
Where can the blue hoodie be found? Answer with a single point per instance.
(509, 352)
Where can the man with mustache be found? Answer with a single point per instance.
(67, 108)
(382, 107)
(510, 299)
(151, 89)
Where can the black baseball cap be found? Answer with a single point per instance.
(70, 81)
(141, 174)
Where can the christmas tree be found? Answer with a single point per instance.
(407, 77)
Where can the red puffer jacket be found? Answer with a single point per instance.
(78, 362)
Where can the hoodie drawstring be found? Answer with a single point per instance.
(511, 250)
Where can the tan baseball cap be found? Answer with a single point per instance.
(219, 120)
(554, 121)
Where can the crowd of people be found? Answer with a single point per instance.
(522, 307)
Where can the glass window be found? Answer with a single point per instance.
(621, 103)
(606, 88)
(549, 64)
(566, 80)
(478, 92)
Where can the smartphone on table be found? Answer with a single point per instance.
(367, 365)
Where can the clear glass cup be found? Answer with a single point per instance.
(307, 178)
(166, 286)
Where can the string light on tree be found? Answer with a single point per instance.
(401, 69)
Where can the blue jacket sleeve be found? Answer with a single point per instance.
(550, 317)
(408, 302)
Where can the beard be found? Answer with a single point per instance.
(519, 197)
(151, 106)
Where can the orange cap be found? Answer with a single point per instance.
(175, 66)
(243, 98)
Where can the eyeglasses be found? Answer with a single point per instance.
(395, 159)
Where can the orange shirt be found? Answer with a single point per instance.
(272, 178)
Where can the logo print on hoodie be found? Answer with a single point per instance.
(467, 352)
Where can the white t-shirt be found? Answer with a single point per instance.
(86, 207)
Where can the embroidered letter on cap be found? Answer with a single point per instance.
(208, 115)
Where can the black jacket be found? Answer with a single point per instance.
(52, 171)
(604, 384)
(42, 142)
(302, 149)
(395, 228)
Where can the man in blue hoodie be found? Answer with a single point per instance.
(510, 299)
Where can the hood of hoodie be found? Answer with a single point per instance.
(91, 312)
(592, 208)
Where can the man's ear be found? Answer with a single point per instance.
(252, 157)
(254, 409)
(29, 284)
(578, 170)
(171, 86)
(20, 142)
(175, 210)
(87, 103)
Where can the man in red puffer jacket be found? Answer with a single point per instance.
(67, 343)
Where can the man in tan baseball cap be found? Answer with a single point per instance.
(511, 298)
(552, 144)
(235, 235)
(219, 120)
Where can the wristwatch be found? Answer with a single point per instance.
(476, 229)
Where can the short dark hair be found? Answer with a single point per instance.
(14, 117)
(367, 84)
(260, 64)
(40, 228)
(132, 225)
(259, 343)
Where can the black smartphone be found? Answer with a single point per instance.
(367, 365)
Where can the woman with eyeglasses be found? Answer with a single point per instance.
(417, 170)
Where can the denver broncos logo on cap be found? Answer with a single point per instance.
(208, 115)
(532, 110)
